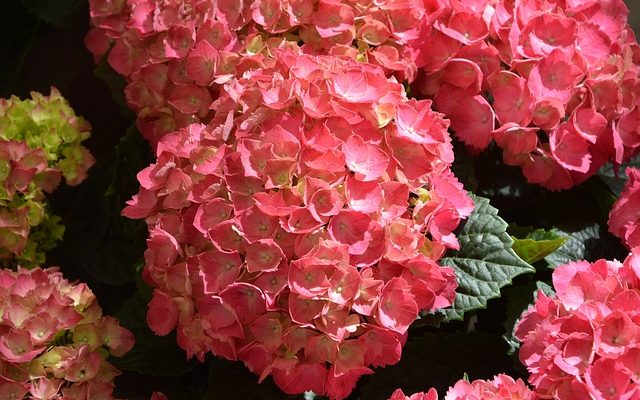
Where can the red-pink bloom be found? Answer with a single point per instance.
(202, 63)
(163, 313)
(368, 161)
(500, 387)
(486, 64)
(512, 101)
(332, 18)
(55, 339)
(570, 148)
(430, 395)
(554, 77)
(397, 307)
(472, 118)
(516, 139)
(268, 228)
(582, 341)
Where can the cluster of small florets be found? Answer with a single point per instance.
(39, 145)
(624, 217)
(300, 231)
(176, 54)
(554, 83)
(582, 343)
(501, 387)
(54, 340)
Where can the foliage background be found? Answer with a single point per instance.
(42, 45)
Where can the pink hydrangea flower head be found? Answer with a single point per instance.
(500, 387)
(546, 79)
(55, 340)
(485, 65)
(583, 340)
(203, 45)
(280, 233)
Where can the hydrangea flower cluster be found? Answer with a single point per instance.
(624, 217)
(54, 340)
(300, 230)
(176, 54)
(582, 343)
(501, 387)
(554, 83)
(40, 143)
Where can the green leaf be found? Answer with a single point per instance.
(116, 84)
(485, 262)
(57, 13)
(616, 177)
(589, 243)
(518, 301)
(545, 288)
(537, 245)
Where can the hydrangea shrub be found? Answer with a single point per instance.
(300, 231)
(54, 340)
(40, 144)
(582, 342)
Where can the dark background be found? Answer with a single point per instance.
(42, 45)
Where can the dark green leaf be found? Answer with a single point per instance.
(545, 288)
(589, 243)
(616, 177)
(116, 84)
(518, 301)
(57, 13)
(485, 262)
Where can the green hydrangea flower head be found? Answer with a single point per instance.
(40, 144)
(49, 123)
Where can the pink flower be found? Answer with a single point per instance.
(472, 118)
(501, 387)
(268, 228)
(40, 145)
(569, 148)
(485, 64)
(430, 395)
(332, 18)
(397, 308)
(368, 161)
(583, 340)
(55, 330)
